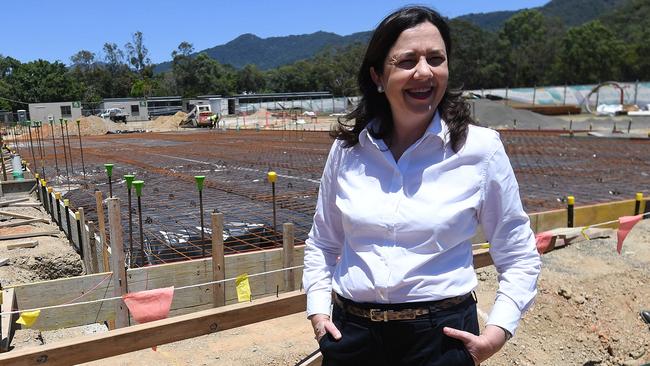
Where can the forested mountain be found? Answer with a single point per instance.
(571, 12)
(268, 53)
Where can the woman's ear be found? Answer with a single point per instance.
(375, 78)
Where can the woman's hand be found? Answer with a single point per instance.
(323, 325)
(480, 347)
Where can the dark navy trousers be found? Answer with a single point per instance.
(417, 342)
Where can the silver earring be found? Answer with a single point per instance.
(380, 89)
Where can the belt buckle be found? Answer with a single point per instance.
(377, 315)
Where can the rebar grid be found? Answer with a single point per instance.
(235, 164)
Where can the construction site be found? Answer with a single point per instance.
(94, 210)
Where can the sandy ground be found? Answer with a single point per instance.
(52, 258)
(586, 313)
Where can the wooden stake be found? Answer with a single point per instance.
(102, 229)
(7, 322)
(84, 242)
(287, 255)
(118, 262)
(218, 269)
(92, 244)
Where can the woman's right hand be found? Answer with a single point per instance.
(323, 325)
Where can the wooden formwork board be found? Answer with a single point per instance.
(61, 291)
(137, 337)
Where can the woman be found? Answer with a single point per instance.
(405, 186)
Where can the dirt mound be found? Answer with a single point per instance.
(88, 126)
(168, 123)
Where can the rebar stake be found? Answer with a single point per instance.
(199, 185)
(272, 177)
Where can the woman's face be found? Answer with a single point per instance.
(415, 75)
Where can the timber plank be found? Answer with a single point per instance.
(30, 235)
(18, 216)
(141, 336)
(24, 222)
(16, 200)
(29, 244)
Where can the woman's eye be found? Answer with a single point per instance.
(406, 64)
(435, 61)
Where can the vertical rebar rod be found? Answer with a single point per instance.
(274, 211)
(130, 225)
(81, 149)
(65, 156)
(202, 224)
(39, 138)
(56, 159)
(16, 139)
(31, 147)
(2, 159)
(141, 232)
(67, 133)
(129, 182)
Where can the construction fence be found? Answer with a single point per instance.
(633, 93)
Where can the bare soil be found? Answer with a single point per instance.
(586, 313)
(52, 258)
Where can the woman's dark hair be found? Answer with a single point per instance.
(373, 104)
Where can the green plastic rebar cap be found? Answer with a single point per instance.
(199, 181)
(60, 120)
(109, 169)
(129, 180)
(78, 121)
(138, 184)
(66, 202)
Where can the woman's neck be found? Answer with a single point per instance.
(404, 135)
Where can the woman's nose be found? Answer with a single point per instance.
(423, 69)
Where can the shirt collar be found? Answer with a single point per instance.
(437, 127)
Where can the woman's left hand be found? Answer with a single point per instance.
(480, 347)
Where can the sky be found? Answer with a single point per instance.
(54, 30)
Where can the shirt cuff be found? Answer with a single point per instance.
(319, 302)
(505, 314)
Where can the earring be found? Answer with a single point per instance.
(380, 89)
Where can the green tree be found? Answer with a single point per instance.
(184, 69)
(41, 81)
(590, 53)
(250, 79)
(117, 82)
(475, 61)
(527, 42)
(138, 54)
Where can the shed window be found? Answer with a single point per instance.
(135, 110)
(66, 111)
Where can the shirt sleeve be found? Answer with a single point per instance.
(325, 240)
(512, 242)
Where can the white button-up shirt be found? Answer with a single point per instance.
(395, 232)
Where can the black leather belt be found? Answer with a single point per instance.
(385, 315)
